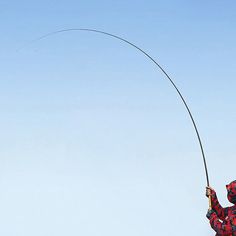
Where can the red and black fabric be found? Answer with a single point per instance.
(231, 189)
(223, 220)
(218, 209)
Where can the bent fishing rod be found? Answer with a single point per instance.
(162, 70)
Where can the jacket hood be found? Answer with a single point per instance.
(231, 189)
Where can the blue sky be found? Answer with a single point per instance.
(94, 140)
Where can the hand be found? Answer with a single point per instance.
(210, 191)
(209, 213)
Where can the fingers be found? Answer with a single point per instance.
(208, 187)
(209, 191)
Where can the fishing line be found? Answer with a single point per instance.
(157, 64)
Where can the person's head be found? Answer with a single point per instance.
(231, 189)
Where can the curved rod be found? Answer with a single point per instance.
(165, 73)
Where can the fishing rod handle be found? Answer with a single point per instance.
(210, 203)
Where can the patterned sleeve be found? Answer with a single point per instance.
(221, 228)
(220, 211)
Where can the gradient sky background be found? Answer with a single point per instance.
(94, 140)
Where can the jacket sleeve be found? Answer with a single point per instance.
(219, 227)
(219, 210)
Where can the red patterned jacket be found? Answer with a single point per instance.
(223, 220)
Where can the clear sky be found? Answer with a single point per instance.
(94, 140)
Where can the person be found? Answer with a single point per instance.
(223, 220)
